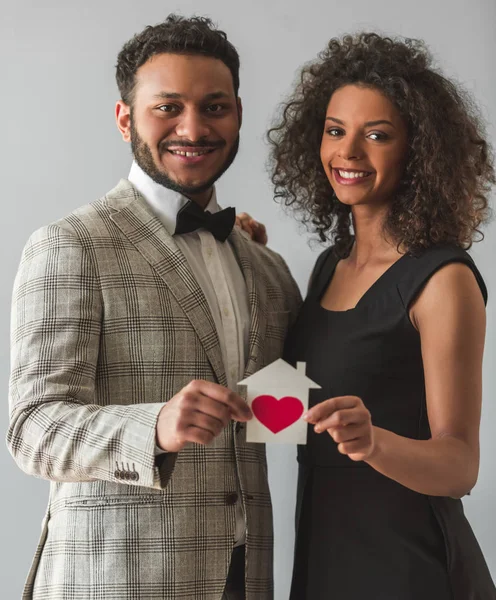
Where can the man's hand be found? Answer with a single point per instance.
(198, 413)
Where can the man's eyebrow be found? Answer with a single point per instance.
(167, 96)
(216, 96)
(175, 96)
(367, 124)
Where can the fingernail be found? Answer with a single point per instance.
(305, 416)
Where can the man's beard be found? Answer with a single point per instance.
(143, 156)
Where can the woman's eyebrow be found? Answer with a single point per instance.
(379, 122)
(367, 124)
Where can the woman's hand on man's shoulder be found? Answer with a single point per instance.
(253, 228)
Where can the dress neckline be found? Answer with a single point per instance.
(380, 281)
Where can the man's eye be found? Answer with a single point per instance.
(215, 108)
(168, 108)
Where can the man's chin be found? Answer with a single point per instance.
(186, 187)
(191, 183)
(193, 190)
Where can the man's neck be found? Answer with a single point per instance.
(202, 199)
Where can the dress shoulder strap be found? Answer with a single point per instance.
(421, 268)
(322, 271)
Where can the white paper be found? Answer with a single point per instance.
(278, 397)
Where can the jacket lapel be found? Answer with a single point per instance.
(257, 301)
(143, 229)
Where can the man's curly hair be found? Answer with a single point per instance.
(443, 195)
(176, 35)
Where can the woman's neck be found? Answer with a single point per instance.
(371, 242)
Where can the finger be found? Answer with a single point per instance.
(212, 408)
(257, 225)
(248, 224)
(248, 230)
(243, 221)
(325, 409)
(358, 449)
(343, 418)
(259, 232)
(237, 406)
(203, 421)
(197, 436)
(348, 434)
(264, 238)
(245, 226)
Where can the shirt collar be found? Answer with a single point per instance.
(164, 202)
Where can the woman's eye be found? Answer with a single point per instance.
(378, 136)
(334, 132)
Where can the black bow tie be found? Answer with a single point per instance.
(191, 217)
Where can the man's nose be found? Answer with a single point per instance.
(192, 126)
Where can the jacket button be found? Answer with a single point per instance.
(117, 474)
(231, 498)
(239, 427)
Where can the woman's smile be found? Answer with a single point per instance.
(351, 176)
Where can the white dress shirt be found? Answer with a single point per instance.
(219, 275)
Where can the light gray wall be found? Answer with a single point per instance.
(60, 149)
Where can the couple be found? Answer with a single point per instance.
(135, 316)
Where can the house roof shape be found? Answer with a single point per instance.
(282, 371)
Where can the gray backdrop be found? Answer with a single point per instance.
(62, 150)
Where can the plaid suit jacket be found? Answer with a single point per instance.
(108, 323)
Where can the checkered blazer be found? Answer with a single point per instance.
(108, 323)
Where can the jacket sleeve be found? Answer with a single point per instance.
(57, 431)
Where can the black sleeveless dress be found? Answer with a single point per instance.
(359, 534)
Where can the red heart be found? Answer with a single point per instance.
(276, 414)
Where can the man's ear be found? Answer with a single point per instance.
(123, 119)
(240, 111)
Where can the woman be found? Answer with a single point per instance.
(376, 140)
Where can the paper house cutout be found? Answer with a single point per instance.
(278, 396)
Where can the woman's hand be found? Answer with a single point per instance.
(348, 422)
(253, 228)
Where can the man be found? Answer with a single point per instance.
(133, 319)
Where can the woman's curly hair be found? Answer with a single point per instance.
(443, 195)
